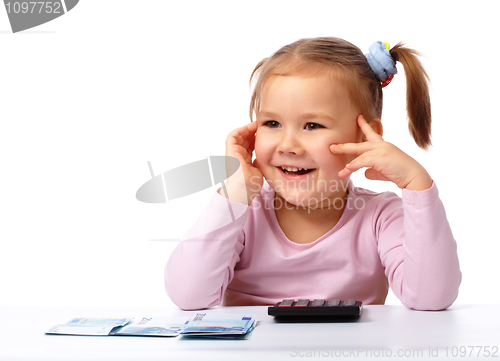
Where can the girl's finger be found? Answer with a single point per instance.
(372, 174)
(351, 148)
(366, 160)
(251, 127)
(239, 135)
(367, 130)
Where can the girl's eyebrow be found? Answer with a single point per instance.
(267, 114)
(306, 116)
(319, 115)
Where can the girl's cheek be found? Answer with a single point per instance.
(333, 161)
(260, 148)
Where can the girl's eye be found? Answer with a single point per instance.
(272, 124)
(312, 126)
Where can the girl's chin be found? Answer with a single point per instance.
(299, 200)
(309, 201)
(311, 187)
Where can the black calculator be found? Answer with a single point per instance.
(316, 310)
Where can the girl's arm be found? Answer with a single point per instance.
(416, 245)
(202, 265)
(417, 249)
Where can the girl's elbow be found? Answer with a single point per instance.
(187, 304)
(424, 306)
(188, 298)
(437, 302)
(437, 296)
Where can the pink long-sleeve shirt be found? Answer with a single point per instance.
(238, 254)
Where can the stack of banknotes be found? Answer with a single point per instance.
(216, 325)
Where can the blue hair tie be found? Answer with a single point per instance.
(381, 61)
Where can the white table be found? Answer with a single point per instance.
(382, 332)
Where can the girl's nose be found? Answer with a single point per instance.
(289, 144)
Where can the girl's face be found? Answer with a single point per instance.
(299, 118)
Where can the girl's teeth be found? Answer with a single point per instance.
(295, 171)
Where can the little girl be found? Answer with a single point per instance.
(307, 232)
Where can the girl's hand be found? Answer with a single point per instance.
(247, 182)
(384, 161)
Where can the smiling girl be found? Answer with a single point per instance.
(299, 228)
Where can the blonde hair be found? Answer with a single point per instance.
(351, 69)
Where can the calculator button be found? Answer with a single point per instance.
(286, 303)
(334, 302)
(317, 303)
(349, 302)
(302, 303)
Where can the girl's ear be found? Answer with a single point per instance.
(377, 127)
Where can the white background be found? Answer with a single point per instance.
(87, 99)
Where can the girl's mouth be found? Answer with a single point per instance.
(293, 171)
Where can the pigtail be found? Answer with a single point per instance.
(418, 104)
